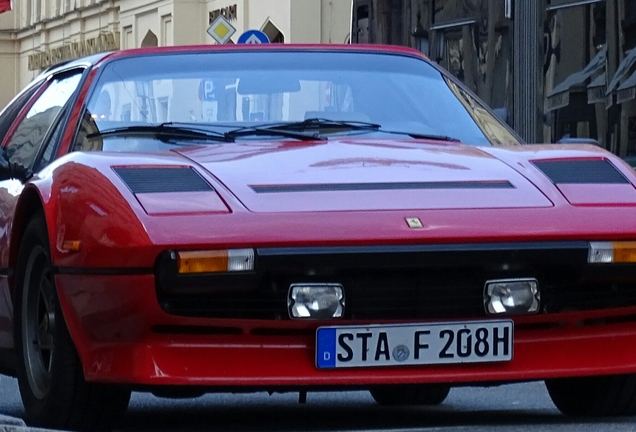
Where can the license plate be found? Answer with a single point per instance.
(414, 344)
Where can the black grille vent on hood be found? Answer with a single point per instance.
(154, 180)
(341, 187)
(598, 171)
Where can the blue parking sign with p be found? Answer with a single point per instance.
(208, 91)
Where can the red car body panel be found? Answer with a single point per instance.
(119, 341)
(359, 162)
(108, 288)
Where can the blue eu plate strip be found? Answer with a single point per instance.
(326, 348)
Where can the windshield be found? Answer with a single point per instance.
(231, 90)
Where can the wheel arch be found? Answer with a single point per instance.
(29, 204)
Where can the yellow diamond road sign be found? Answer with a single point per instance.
(221, 30)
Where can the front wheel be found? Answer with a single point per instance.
(594, 396)
(50, 375)
(403, 395)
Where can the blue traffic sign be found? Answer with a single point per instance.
(253, 37)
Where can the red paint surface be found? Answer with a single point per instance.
(111, 317)
(89, 202)
(180, 203)
(364, 161)
(5, 5)
(599, 194)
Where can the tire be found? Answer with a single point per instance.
(403, 395)
(594, 396)
(50, 375)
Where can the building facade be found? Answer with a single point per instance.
(553, 69)
(39, 33)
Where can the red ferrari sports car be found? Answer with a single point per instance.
(187, 220)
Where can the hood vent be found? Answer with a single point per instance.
(162, 180)
(597, 171)
(345, 187)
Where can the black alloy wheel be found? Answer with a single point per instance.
(598, 396)
(50, 374)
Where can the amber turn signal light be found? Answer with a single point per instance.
(621, 252)
(215, 261)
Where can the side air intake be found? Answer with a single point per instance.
(597, 171)
(591, 182)
(162, 180)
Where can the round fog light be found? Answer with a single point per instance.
(315, 301)
(512, 296)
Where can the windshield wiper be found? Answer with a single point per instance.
(422, 136)
(325, 126)
(164, 132)
(302, 129)
(319, 125)
(286, 130)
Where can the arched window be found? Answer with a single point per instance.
(273, 33)
(150, 40)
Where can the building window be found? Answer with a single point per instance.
(163, 109)
(574, 62)
(29, 12)
(629, 25)
(150, 40)
(128, 41)
(473, 41)
(451, 11)
(273, 33)
(361, 24)
(126, 113)
(167, 38)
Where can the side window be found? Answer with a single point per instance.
(31, 132)
(51, 143)
(11, 112)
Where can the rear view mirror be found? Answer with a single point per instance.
(12, 170)
(265, 83)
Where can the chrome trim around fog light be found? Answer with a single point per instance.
(315, 301)
(512, 296)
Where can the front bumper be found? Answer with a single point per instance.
(123, 336)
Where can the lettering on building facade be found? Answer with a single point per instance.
(74, 50)
(228, 12)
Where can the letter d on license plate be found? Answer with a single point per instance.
(414, 344)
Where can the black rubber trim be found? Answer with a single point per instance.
(476, 247)
(581, 172)
(328, 187)
(103, 271)
(161, 180)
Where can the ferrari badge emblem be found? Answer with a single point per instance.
(414, 223)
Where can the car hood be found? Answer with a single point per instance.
(350, 175)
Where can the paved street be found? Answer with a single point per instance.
(524, 407)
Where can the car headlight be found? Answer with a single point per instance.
(511, 296)
(315, 301)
